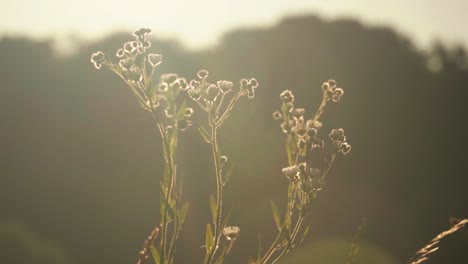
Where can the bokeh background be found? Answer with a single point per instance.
(80, 161)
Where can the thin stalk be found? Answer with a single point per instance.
(271, 250)
(288, 247)
(230, 106)
(321, 108)
(219, 188)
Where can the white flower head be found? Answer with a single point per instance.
(231, 232)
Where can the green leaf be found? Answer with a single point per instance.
(209, 240)
(214, 209)
(306, 231)
(164, 146)
(229, 173)
(274, 208)
(183, 213)
(181, 111)
(155, 253)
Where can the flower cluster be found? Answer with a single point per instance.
(210, 96)
(231, 232)
(303, 131)
(339, 141)
(331, 92)
(130, 57)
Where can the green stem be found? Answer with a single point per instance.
(320, 109)
(219, 189)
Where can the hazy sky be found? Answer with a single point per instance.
(200, 23)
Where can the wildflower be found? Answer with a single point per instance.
(98, 59)
(183, 84)
(202, 74)
(337, 94)
(154, 59)
(211, 92)
(130, 47)
(345, 148)
(231, 232)
(225, 86)
(337, 135)
(287, 96)
(194, 93)
(249, 86)
(142, 33)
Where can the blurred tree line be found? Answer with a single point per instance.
(80, 161)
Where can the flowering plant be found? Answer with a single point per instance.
(168, 100)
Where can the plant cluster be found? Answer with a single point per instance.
(168, 99)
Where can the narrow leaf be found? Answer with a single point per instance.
(181, 111)
(203, 133)
(214, 209)
(229, 173)
(155, 253)
(304, 234)
(209, 240)
(274, 208)
(183, 213)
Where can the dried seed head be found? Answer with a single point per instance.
(345, 148)
(337, 94)
(194, 93)
(231, 232)
(211, 92)
(225, 86)
(98, 59)
(337, 135)
(202, 74)
(154, 59)
(287, 96)
(130, 47)
(183, 84)
(142, 32)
